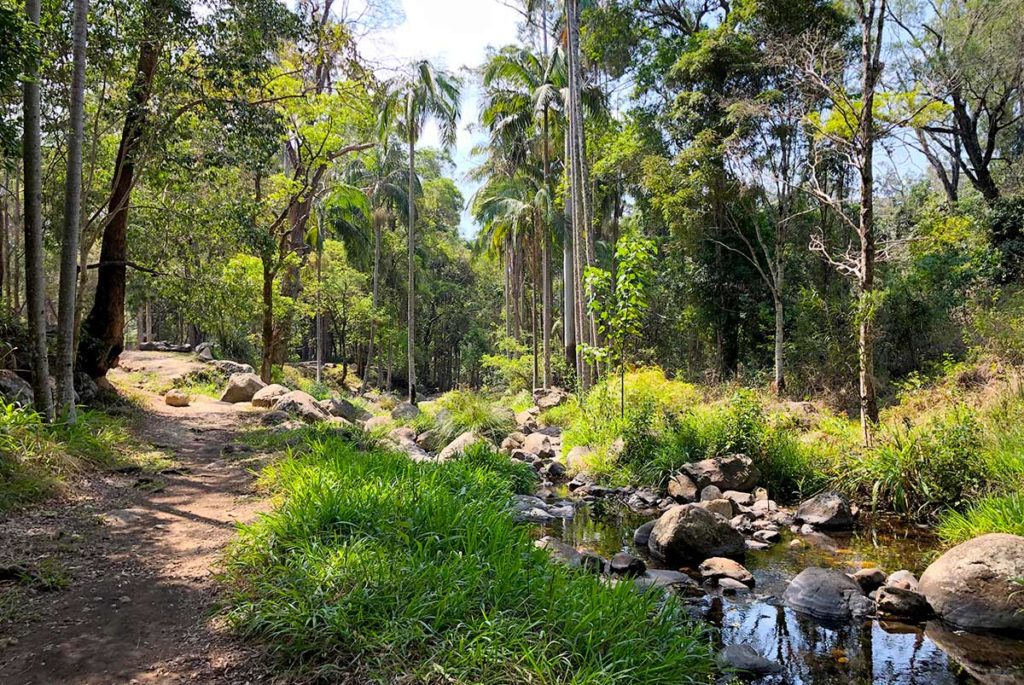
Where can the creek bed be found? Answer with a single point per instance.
(869, 652)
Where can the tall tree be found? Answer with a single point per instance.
(423, 94)
(72, 217)
(35, 277)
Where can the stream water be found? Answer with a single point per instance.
(871, 652)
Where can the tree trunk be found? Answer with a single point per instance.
(72, 210)
(375, 300)
(320, 322)
(103, 330)
(546, 229)
(35, 279)
(411, 343)
(267, 356)
(779, 384)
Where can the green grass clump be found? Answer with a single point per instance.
(460, 411)
(380, 569)
(36, 458)
(993, 514)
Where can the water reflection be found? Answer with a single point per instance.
(812, 653)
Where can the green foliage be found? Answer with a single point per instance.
(992, 514)
(510, 367)
(399, 569)
(462, 411)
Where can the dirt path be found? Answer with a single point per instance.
(139, 552)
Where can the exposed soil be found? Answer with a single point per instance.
(138, 553)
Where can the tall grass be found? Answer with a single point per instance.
(459, 411)
(378, 569)
(36, 458)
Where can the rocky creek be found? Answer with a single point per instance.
(812, 652)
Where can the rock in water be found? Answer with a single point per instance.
(728, 472)
(745, 659)
(176, 398)
(717, 568)
(870, 579)
(903, 580)
(687, 532)
(623, 564)
(642, 534)
(827, 594)
(268, 396)
(974, 585)
(827, 510)
(242, 387)
(905, 604)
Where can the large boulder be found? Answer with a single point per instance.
(727, 472)
(228, 367)
(405, 412)
(552, 397)
(827, 594)
(687, 532)
(15, 389)
(459, 445)
(827, 510)
(337, 406)
(242, 387)
(267, 396)
(539, 444)
(302, 405)
(974, 585)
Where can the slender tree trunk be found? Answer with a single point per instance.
(547, 224)
(35, 279)
(72, 212)
(320, 321)
(568, 292)
(411, 345)
(373, 316)
(267, 356)
(103, 330)
(779, 384)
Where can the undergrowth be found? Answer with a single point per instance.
(376, 568)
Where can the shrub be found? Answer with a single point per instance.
(462, 411)
(378, 568)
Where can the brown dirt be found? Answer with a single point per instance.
(139, 551)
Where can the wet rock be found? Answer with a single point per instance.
(870, 579)
(591, 561)
(643, 534)
(682, 489)
(904, 604)
(624, 564)
(524, 456)
(242, 387)
(531, 510)
(673, 580)
(989, 658)
(745, 659)
(578, 481)
(539, 444)
(827, 510)
(267, 396)
(459, 445)
(547, 399)
(731, 586)
(903, 580)
(827, 594)
(974, 585)
(728, 472)
(741, 522)
(176, 397)
(716, 568)
(722, 507)
(560, 552)
(769, 536)
(687, 532)
(553, 470)
(709, 493)
(405, 412)
(562, 510)
(302, 405)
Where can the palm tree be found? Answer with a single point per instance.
(425, 93)
(380, 174)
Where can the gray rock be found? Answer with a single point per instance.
(176, 397)
(560, 552)
(870, 579)
(337, 406)
(302, 405)
(402, 434)
(709, 493)
(623, 564)
(728, 472)
(642, 534)
(242, 387)
(682, 489)
(15, 389)
(769, 536)
(899, 603)
(827, 594)
(205, 354)
(974, 585)
(552, 470)
(722, 507)
(375, 423)
(743, 499)
(716, 568)
(266, 397)
(744, 659)
(459, 445)
(731, 586)
(671, 580)
(827, 510)
(527, 421)
(547, 399)
(405, 412)
(903, 580)
(228, 367)
(274, 418)
(687, 532)
(539, 444)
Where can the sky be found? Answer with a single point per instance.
(454, 34)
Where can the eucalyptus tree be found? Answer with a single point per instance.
(425, 93)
